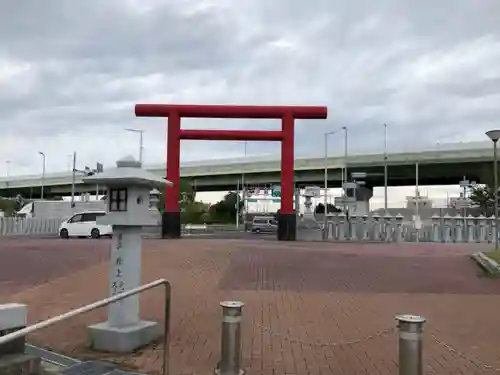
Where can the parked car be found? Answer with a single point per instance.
(83, 224)
(264, 224)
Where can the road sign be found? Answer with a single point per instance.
(358, 175)
(312, 191)
(339, 201)
(276, 192)
(462, 203)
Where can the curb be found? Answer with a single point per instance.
(486, 263)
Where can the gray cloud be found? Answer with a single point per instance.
(70, 72)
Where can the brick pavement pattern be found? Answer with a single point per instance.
(304, 302)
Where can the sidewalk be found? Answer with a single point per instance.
(311, 308)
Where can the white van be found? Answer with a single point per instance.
(83, 224)
(264, 224)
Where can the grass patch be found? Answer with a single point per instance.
(495, 255)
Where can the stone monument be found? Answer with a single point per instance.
(128, 199)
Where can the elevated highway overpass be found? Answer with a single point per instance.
(437, 166)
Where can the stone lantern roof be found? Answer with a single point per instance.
(128, 172)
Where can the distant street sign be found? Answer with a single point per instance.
(464, 183)
(313, 191)
(339, 201)
(358, 175)
(276, 192)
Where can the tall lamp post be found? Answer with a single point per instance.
(325, 202)
(385, 168)
(43, 173)
(494, 135)
(244, 193)
(8, 167)
(141, 148)
(344, 178)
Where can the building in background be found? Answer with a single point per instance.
(423, 201)
(459, 202)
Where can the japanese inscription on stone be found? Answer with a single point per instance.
(117, 284)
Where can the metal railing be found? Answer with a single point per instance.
(104, 302)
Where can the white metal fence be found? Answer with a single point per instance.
(390, 228)
(19, 227)
(387, 228)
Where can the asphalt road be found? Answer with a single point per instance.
(232, 235)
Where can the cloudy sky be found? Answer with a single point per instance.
(71, 72)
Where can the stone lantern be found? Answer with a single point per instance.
(308, 229)
(128, 204)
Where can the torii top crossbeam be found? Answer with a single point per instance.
(230, 111)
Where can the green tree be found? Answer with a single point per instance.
(194, 213)
(483, 196)
(225, 211)
(187, 195)
(8, 206)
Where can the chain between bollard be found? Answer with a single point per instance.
(476, 362)
(377, 334)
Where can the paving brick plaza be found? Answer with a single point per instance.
(311, 308)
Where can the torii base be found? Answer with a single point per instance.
(171, 225)
(287, 227)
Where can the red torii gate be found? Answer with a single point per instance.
(287, 220)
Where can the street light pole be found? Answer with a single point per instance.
(417, 203)
(494, 135)
(238, 204)
(141, 148)
(385, 167)
(344, 180)
(43, 173)
(325, 201)
(243, 194)
(8, 167)
(495, 176)
(345, 152)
